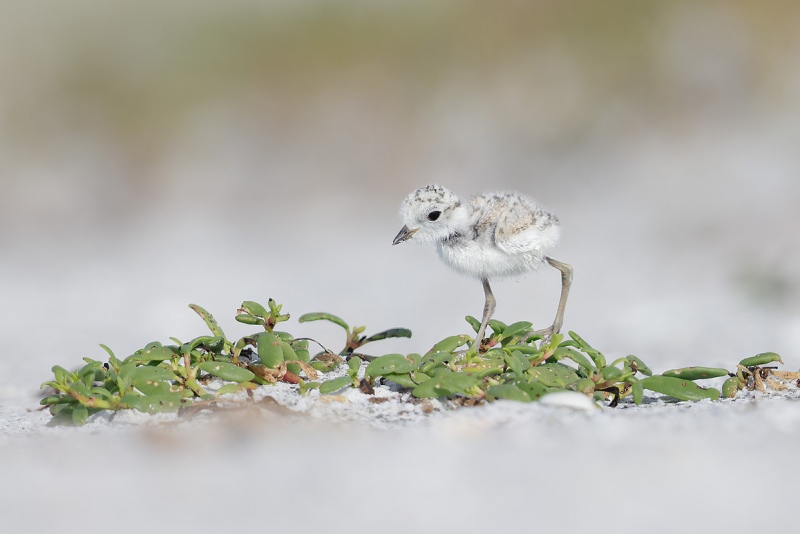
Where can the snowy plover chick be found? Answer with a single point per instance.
(487, 236)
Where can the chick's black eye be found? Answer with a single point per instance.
(432, 216)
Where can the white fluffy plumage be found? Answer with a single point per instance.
(486, 236)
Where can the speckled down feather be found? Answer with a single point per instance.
(488, 236)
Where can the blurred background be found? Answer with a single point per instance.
(158, 153)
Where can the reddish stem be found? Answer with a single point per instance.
(291, 378)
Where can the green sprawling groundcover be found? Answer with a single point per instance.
(512, 364)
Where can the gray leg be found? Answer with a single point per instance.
(488, 310)
(566, 282)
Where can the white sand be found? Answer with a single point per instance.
(346, 464)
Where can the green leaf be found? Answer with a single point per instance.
(303, 355)
(434, 359)
(460, 380)
(211, 323)
(418, 377)
(215, 345)
(611, 373)
(151, 353)
(640, 365)
(149, 372)
(681, 389)
(108, 351)
(254, 308)
(329, 386)
(555, 340)
(90, 369)
(415, 358)
(496, 356)
(508, 392)
(284, 336)
(269, 350)
(730, 387)
(114, 363)
(79, 415)
(227, 371)
(516, 329)
(324, 366)
(473, 322)
(597, 357)
(322, 316)
(155, 387)
(585, 385)
(638, 389)
(62, 415)
(299, 344)
(125, 376)
(526, 364)
(389, 363)
(90, 378)
(761, 359)
(81, 389)
(168, 402)
(498, 327)
(554, 375)
(515, 365)
(229, 388)
(305, 386)
(239, 346)
(210, 341)
(103, 392)
(529, 350)
(449, 344)
(64, 407)
(387, 334)
(252, 320)
(439, 371)
(403, 379)
(576, 357)
(56, 399)
(149, 379)
(535, 389)
(60, 373)
(579, 340)
(490, 371)
(696, 373)
(55, 385)
(444, 385)
(354, 363)
(289, 355)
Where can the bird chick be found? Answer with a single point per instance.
(486, 237)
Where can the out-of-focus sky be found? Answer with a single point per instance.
(156, 153)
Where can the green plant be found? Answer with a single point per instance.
(161, 378)
(512, 364)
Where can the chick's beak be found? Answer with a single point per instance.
(404, 235)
